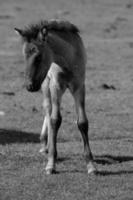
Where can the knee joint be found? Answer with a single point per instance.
(56, 122)
(83, 126)
(47, 107)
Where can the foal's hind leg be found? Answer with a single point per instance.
(82, 122)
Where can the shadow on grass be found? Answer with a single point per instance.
(111, 173)
(16, 136)
(62, 159)
(111, 159)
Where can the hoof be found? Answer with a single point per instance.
(50, 168)
(43, 150)
(50, 171)
(91, 169)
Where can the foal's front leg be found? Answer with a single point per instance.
(54, 124)
(47, 111)
(48, 134)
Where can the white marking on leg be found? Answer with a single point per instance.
(50, 167)
(44, 127)
(53, 72)
(43, 133)
(91, 168)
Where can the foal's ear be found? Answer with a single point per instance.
(43, 34)
(19, 32)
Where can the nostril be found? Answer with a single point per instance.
(29, 87)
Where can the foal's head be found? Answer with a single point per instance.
(37, 48)
(36, 54)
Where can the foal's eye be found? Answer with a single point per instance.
(32, 50)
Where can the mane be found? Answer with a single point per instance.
(32, 30)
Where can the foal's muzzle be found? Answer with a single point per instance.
(32, 87)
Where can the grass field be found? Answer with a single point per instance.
(107, 31)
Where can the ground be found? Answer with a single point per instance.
(107, 31)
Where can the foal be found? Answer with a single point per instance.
(55, 60)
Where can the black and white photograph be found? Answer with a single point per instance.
(66, 100)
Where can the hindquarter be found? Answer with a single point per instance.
(78, 66)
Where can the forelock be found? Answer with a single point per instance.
(31, 31)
